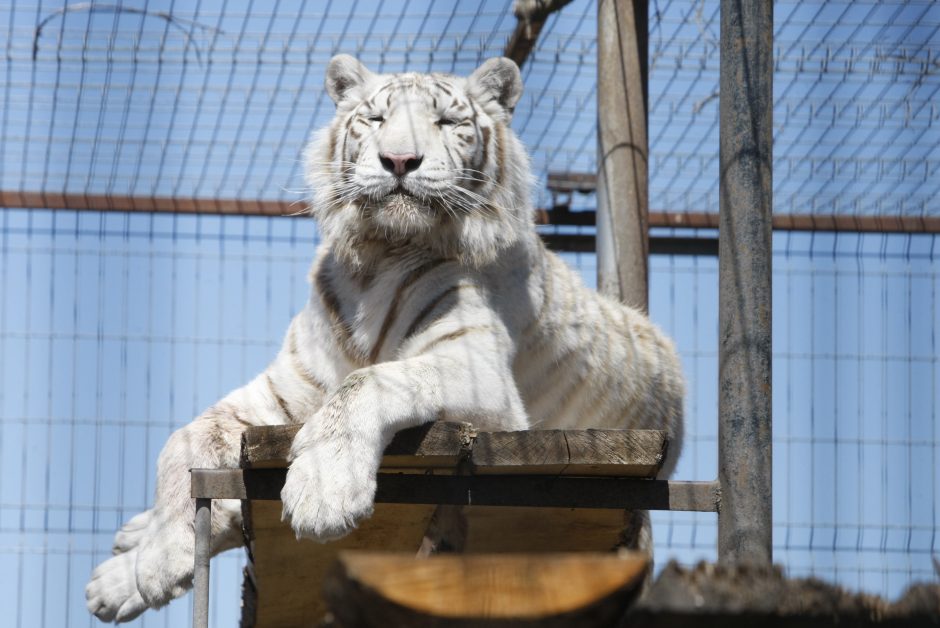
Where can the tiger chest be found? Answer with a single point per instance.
(369, 320)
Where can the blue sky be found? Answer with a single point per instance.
(116, 329)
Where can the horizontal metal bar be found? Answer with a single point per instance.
(148, 204)
(267, 207)
(662, 245)
(562, 216)
(492, 490)
(659, 245)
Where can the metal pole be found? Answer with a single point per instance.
(744, 304)
(622, 177)
(201, 566)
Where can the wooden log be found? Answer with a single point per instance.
(367, 590)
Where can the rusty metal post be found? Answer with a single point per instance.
(744, 302)
(622, 176)
(201, 566)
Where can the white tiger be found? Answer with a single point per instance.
(433, 298)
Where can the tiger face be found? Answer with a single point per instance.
(421, 159)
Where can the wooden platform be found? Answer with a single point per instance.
(285, 577)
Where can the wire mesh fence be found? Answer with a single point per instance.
(118, 327)
(212, 99)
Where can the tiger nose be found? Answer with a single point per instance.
(400, 164)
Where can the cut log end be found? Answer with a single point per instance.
(371, 589)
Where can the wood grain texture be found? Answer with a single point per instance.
(433, 445)
(370, 589)
(510, 529)
(443, 445)
(624, 453)
(288, 574)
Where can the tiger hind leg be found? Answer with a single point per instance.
(154, 551)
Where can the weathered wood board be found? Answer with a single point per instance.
(435, 445)
(622, 453)
(288, 574)
(506, 530)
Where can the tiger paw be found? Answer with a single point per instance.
(330, 485)
(132, 533)
(165, 564)
(111, 594)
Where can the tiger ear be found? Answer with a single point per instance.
(498, 79)
(343, 75)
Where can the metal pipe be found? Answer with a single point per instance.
(744, 302)
(201, 563)
(852, 223)
(622, 176)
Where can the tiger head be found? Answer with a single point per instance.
(422, 160)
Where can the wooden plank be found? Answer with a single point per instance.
(624, 453)
(371, 590)
(542, 451)
(268, 446)
(511, 529)
(443, 445)
(434, 445)
(634, 453)
(288, 574)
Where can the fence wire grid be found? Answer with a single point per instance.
(117, 327)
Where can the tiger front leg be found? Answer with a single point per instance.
(335, 457)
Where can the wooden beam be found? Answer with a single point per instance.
(622, 152)
(561, 590)
(530, 18)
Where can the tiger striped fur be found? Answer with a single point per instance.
(432, 298)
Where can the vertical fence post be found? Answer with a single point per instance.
(622, 175)
(744, 362)
(201, 566)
